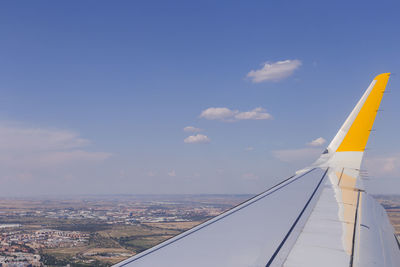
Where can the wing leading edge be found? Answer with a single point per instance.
(250, 234)
(320, 216)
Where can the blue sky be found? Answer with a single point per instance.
(95, 95)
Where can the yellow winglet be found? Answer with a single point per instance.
(357, 137)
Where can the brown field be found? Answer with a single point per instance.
(114, 254)
(174, 225)
(64, 252)
(394, 216)
(119, 231)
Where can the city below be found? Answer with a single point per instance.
(103, 230)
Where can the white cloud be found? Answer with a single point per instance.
(250, 176)
(14, 137)
(172, 173)
(274, 71)
(192, 129)
(381, 166)
(255, 114)
(249, 148)
(304, 155)
(317, 142)
(33, 148)
(218, 113)
(297, 155)
(226, 114)
(197, 139)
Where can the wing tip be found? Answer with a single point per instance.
(383, 76)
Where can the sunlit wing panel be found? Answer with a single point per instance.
(250, 234)
(320, 217)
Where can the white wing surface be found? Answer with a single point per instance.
(319, 217)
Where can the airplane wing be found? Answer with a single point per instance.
(319, 217)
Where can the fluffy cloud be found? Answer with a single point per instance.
(317, 142)
(249, 148)
(217, 113)
(192, 129)
(274, 71)
(226, 114)
(255, 114)
(197, 139)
